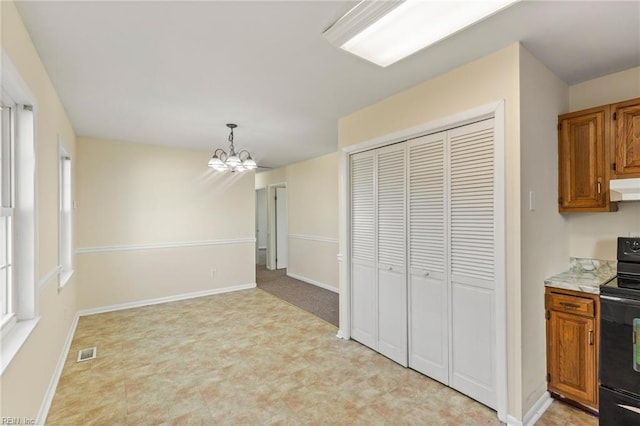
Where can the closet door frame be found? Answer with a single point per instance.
(494, 110)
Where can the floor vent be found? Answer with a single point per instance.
(87, 354)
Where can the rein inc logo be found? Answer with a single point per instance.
(17, 421)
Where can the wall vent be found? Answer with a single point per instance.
(87, 354)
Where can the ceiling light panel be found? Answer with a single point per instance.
(402, 28)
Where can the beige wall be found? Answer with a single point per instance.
(270, 177)
(25, 381)
(489, 79)
(545, 232)
(593, 235)
(135, 194)
(608, 89)
(312, 203)
(313, 219)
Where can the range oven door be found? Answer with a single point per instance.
(617, 409)
(620, 344)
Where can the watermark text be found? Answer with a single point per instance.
(17, 421)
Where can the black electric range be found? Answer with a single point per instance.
(620, 340)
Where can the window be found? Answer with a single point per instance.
(18, 316)
(7, 167)
(65, 204)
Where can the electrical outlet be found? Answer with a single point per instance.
(634, 234)
(213, 274)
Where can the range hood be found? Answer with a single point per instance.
(624, 189)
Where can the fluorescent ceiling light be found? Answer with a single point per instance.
(383, 32)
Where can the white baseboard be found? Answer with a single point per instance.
(538, 409)
(53, 384)
(148, 302)
(341, 335)
(534, 414)
(512, 421)
(314, 282)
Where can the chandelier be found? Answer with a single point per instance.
(231, 162)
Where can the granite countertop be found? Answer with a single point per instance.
(584, 275)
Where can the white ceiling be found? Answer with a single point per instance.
(173, 73)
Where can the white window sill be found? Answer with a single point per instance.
(64, 277)
(13, 341)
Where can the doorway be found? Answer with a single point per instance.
(277, 238)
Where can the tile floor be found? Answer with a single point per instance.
(248, 358)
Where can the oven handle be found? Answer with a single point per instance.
(629, 407)
(620, 299)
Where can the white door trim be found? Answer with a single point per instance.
(271, 225)
(282, 228)
(497, 111)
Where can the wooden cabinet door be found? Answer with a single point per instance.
(626, 137)
(583, 178)
(571, 341)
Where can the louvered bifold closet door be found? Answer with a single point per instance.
(364, 302)
(392, 278)
(472, 254)
(428, 291)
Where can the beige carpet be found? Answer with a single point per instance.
(316, 300)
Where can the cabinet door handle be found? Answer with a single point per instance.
(599, 187)
(591, 337)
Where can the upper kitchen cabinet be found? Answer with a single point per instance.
(583, 156)
(625, 128)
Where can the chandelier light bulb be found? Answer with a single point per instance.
(249, 164)
(215, 162)
(233, 161)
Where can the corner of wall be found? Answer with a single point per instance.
(544, 232)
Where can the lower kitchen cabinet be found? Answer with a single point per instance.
(572, 346)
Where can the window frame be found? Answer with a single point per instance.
(65, 216)
(16, 332)
(7, 203)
